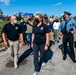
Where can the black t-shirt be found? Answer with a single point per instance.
(40, 33)
(11, 31)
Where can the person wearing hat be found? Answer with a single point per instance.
(67, 28)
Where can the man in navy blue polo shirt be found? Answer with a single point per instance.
(23, 28)
(11, 32)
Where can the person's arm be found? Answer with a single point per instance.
(4, 39)
(4, 32)
(47, 41)
(47, 38)
(32, 39)
(21, 39)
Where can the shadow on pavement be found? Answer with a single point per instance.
(22, 60)
(68, 52)
(49, 55)
(10, 64)
(24, 55)
(52, 43)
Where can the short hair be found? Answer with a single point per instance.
(56, 20)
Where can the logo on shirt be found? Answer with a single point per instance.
(48, 23)
(16, 28)
(24, 23)
(41, 28)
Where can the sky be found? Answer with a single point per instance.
(49, 7)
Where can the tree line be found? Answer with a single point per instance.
(19, 15)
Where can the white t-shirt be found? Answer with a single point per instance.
(56, 25)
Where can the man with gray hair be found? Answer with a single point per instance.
(10, 34)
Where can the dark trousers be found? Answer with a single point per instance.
(36, 48)
(68, 38)
(24, 37)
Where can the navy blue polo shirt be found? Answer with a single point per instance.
(50, 26)
(11, 31)
(40, 33)
(23, 26)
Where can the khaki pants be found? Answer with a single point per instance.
(56, 35)
(50, 33)
(14, 49)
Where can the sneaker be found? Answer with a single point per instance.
(43, 64)
(15, 65)
(35, 73)
(32, 53)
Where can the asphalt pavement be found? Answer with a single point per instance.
(55, 64)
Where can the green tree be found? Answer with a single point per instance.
(19, 15)
(74, 17)
(52, 16)
(1, 14)
(45, 15)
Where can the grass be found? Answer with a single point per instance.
(2, 23)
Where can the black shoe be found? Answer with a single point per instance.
(57, 41)
(74, 61)
(64, 57)
(59, 38)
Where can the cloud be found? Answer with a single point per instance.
(58, 4)
(6, 2)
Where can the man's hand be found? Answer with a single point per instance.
(22, 43)
(61, 33)
(32, 45)
(46, 48)
(72, 32)
(5, 43)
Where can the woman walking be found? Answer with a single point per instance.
(40, 40)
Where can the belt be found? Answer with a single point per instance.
(13, 40)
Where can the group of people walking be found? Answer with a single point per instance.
(40, 39)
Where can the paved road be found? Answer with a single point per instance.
(55, 65)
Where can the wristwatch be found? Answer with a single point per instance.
(46, 44)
